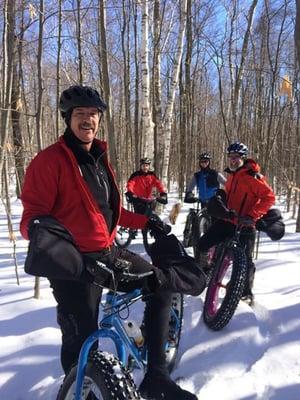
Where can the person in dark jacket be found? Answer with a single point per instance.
(71, 182)
(140, 187)
(247, 195)
(206, 180)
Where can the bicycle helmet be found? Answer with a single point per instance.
(204, 156)
(80, 96)
(239, 148)
(145, 160)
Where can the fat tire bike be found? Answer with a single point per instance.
(226, 282)
(102, 376)
(197, 223)
(125, 236)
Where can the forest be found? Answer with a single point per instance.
(179, 77)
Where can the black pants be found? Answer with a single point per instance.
(78, 311)
(221, 230)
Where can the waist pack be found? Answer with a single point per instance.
(185, 274)
(52, 252)
(272, 224)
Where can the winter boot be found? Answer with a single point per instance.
(161, 387)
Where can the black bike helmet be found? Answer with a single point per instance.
(80, 96)
(239, 148)
(204, 156)
(145, 160)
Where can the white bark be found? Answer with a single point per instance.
(173, 85)
(146, 117)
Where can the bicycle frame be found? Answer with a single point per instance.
(111, 327)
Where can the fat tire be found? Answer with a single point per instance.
(108, 377)
(234, 292)
(126, 243)
(174, 332)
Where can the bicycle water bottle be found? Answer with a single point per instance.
(134, 332)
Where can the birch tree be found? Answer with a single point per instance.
(173, 86)
(146, 118)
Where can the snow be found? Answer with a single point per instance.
(255, 357)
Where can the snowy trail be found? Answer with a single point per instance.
(255, 357)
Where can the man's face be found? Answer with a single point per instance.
(85, 123)
(145, 167)
(204, 163)
(235, 161)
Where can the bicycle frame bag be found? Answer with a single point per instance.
(183, 272)
(52, 252)
(272, 224)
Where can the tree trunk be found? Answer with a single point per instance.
(146, 118)
(173, 85)
(106, 89)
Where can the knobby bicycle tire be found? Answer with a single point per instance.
(123, 237)
(105, 379)
(216, 316)
(175, 327)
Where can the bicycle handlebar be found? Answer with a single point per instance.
(121, 269)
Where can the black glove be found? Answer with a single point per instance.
(129, 197)
(246, 221)
(106, 270)
(157, 226)
(163, 198)
(230, 214)
(190, 198)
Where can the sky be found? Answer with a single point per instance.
(255, 357)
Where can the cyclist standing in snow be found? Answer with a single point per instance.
(206, 180)
(72, 208)
(247, 194)
(140, 187)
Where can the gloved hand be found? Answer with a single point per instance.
(157, 226)
(129, 197)
(105, 270)
(230, 214)
(190, 198)
(163, 198)
(246, 220)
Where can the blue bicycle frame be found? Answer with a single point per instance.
(111, 327)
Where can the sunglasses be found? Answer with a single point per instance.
(234, 157)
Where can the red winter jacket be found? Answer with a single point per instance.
(248, 192)
(142, 183)
(54, 186)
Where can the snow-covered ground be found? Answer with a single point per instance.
(257, 356)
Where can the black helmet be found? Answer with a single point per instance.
(237, 147)
(145, 160)
(80, 96)
(204, 156)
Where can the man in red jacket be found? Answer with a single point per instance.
(248, 195)
(140, 187)
(72, 182)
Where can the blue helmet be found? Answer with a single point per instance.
(237, 147)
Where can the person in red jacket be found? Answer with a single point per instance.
(72, 182)
(140, 188)
(247, 194)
